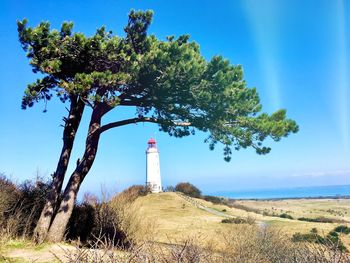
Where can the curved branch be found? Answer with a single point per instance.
(137, 120)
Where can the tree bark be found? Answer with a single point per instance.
(70, 129)
(59, 224)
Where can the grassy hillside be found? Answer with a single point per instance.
(170, 218)
(175, 218)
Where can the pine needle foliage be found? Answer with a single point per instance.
(169, 82)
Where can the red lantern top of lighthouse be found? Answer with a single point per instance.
(152, 143)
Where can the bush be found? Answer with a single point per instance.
(233, 221)
(9, 195)
(133, 192)
(342, 229)
(213, 199)
(188, 189)
(314, 230)
(285, 215)
(82, 222)
(308, 237)
(243, 244)
(236, 205)
(21, 205)
(105, 220)
(317, 220)
(332, 239)
(238, 220)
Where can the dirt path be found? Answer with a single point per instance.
(200, 206)
(194, 202)
(49, 253)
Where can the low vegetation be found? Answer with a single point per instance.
(20, 206)
(331, 239)
(342, 229)
(113, 220)
(335, 209)
(123, 229)
(234, 204)
(317, 219)
(238, 220)
(248, 244)
(192, 191)
(285, 215)
(188, 189)
(213, 199)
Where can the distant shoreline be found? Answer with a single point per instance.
(312, 192)
(292, 198)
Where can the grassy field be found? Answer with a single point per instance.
(169, 218)
(338, 209)
(175, 218)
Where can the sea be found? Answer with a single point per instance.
(333, 191)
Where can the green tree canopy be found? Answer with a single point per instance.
(168, 82)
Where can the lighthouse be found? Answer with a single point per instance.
(152, 167)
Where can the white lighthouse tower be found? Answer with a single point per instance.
(152, 167)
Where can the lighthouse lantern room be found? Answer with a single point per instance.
(153, 181)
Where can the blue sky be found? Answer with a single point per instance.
(297, 54)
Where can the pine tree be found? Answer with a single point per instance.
(167, 82)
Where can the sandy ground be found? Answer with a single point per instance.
(49, 253)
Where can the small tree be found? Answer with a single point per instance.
(167, 82)
(170, 188)
(188, 189)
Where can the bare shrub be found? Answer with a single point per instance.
(239, 220)
(190, 250)
(130, 194)
(9, 194)
(81, 222)
(129, 219)
(32, 201)
(244, 243)
(115, 221)
(248, 243)
(20, 206)
(105, 252)
(96, 219)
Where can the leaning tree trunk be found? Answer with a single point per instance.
(59, 224)
(70, 130)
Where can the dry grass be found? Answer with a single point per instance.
(131, 221)
(246, 244)
(166, 228)
(243, 243)
(176, 218)
(20, 206)
(338, 209)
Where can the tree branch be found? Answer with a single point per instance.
(133, 101)
(137, 120)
